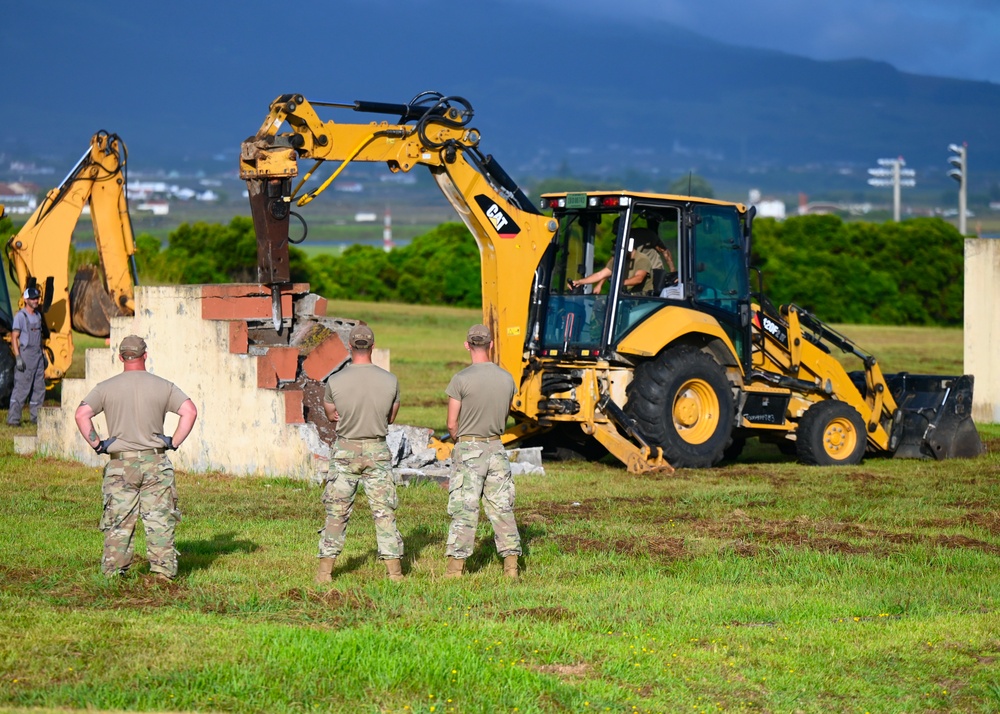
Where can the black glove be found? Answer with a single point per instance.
(21, 366)
(102, 447)
(168, 441)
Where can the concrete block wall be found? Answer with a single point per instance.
(982, 326)
(249, 397)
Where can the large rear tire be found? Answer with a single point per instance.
(682, 402)
(831, 433)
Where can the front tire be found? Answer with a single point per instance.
(683, 403)
(831, 433)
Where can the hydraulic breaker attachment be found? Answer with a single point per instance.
(934, 419)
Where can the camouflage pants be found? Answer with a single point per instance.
(133, 488)
(367, 463)
(480, 469)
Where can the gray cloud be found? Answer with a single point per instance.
(959, 38)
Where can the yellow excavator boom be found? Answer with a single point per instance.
(39, 253)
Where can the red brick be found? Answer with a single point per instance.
(278, 363)
(294, 413)
(326, 357)
(239, 338)
(251, 301)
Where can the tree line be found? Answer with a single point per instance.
(908, 273)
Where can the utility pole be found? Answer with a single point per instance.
(893, 174)
(960, 174)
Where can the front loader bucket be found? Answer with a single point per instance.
(91, 308)
(934, 418)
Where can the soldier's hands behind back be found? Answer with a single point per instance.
(168, 441)
(102, 446)
(21, 366)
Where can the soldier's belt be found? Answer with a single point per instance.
(135, 454)
(479, 438)
(361, 441)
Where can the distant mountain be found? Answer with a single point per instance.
(550, 88)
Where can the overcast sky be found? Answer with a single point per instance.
(948, 38)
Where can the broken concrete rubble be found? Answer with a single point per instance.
(413, 459)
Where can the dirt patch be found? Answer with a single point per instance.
(566, 671)
(804, 540)
(546, 614)
(589, 507)
(992, 445)
(748, 536)
(866, 478)
(659, 547)
(960, 541)
(742, 548)
(988, 521)
(332, 599)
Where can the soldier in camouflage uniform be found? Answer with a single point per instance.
(478, 402)
(139, 478)
(362, 400)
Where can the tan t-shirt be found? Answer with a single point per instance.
(134, 405)
(364, 395)
(485, 391)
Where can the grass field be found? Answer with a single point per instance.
(760, 586)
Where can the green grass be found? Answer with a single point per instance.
(760, 586)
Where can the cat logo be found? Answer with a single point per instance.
(503, 224)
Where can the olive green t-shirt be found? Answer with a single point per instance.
(134, 405)
(640, 262)
(485, 391)
(364, 395)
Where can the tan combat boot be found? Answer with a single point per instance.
(456, 566)
(325, 570)
(510, 566)
(394, 567)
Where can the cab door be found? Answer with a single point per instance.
(718, 271)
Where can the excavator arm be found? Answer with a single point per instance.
(39, 254)
(510, 232)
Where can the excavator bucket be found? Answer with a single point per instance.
(91, 306)
(934, 418)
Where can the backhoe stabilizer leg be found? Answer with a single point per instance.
(638, 460)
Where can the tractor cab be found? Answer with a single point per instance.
(617, 259)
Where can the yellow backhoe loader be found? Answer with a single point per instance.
(675, 373)
(38, 255)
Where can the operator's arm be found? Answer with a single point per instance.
(599, 276)
(454, 407)
(188, 413)
(636, 278)
(85, 423)
(15, 342)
